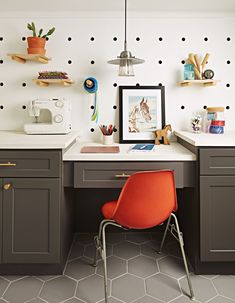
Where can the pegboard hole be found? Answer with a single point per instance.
(69, 61)
(114, 38)
(137, 84)
(1, 61)
(114, 107)
(183, 38)
(1, 38)
(183, 61)
(160, 62)
(92, 38)
(182, 107)
(227, 107)
(205, 107)
(160, 38)
(137, 39)
(115, 84)
(92, 62)
(227, 85)
(69, 38)
(228, 61)
(159, 84)
(23, 84)
(23, 38)
(228, 39)
(92, 107)
(47, 38)
(1, 83)
(1, 107)
(206, 39)
(115, 130)
(92, 130)
(24, 107)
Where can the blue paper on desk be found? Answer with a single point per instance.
(142, 148)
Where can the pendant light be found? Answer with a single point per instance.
(126, 60)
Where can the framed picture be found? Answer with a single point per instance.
(142, 111)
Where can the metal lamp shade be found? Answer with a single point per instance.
(126, 62)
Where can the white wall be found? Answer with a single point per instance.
(81, 51)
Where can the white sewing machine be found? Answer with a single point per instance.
(51, 116)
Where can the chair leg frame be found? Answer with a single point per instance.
(178, 235)
(100, 243)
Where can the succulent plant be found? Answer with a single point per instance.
(32, 28)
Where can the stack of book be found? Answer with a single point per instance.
(53, 75)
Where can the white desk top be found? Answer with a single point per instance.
(20, 140)
(205, 139)
(173, 152)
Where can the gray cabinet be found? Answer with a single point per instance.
(217, 204)
(31, 220)
(30, 208)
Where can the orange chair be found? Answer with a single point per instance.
(147, 199)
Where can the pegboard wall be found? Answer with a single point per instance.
(82, 46)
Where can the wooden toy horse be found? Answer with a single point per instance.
(163, 133)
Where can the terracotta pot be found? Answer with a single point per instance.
(36, 42)
(35, 50)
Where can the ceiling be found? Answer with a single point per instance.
(118, 5)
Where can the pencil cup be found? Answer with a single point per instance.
(107, 139)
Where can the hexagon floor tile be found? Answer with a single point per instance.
(58, 289)
(23, 290)
(136, 273)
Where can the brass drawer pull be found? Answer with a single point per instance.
(7, 186)
(123, 175)
(8, 164)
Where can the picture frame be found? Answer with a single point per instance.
(141, 112)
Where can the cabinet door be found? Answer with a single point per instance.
(217, 211)
(31, 220)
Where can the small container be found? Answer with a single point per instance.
(217, 119)
(107, 139)
(188, 72)
(196, 123)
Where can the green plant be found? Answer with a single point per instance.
(32, 28)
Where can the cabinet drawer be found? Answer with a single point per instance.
(218, 161)
(114, 174)
(30, 163)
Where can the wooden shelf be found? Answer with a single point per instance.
(207, 82)
(22, 58)
(47, 82)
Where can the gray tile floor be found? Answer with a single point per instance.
(136, 274)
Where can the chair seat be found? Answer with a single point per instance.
(108, 209)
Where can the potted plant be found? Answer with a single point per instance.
(36, 43)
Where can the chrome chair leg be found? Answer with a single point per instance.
(98, 243)
(164, 235)
(105, 263)
(180, 236)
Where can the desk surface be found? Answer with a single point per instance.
(173, 152)
(210, 140)
(20, 140)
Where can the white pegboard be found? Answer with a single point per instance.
(81, 50)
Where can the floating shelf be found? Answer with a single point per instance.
(47, 82)
(22, 58)
(207, 82)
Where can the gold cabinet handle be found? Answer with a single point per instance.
(123, 175)
(8, 164)
(7, 186)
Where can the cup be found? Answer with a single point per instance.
(107, 139)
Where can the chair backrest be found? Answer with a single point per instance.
(146, 200)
